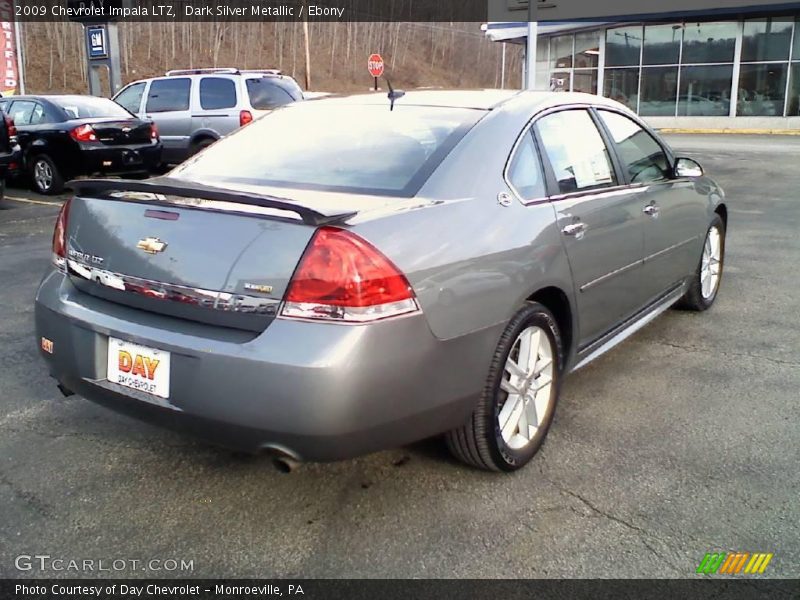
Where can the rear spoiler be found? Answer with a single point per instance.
(99, 188)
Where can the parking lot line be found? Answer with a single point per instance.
(31, 201)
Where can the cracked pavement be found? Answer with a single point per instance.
(682, 440)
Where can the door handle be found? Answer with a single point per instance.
(651, 210)
(574, 229)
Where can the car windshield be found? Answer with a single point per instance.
(87, 107)
(351, 148)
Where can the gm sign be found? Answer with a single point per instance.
(97, 41)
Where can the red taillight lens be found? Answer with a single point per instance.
(60, 237)
(154, 132)
(342, 277)
(245, 117)
(83, 133)
(11, 127)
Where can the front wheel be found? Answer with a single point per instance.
(518, 402)
(705, 282)
(46, 177)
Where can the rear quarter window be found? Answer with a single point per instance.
(266, 95)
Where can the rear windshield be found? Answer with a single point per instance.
(80, 107)
(266, 94)
(350, 148)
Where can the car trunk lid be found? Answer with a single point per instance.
(116, 132)
(196, 253)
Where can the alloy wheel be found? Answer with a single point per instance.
(43, 175)
(711, 264)
(527, 381)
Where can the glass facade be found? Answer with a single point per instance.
(749, 67)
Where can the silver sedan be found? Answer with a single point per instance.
(352, 274)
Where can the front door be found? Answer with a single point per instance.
(600, 220)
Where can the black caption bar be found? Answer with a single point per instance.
(388, 589)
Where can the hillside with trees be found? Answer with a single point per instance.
(448, 55)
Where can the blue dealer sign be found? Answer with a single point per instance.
(97, 41)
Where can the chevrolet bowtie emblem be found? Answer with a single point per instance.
(151, 245)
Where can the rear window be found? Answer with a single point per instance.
(168, 94)
(87, 107)
(351, 148)
(265, 95)
(217, 93)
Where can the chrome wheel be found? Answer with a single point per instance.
(43, 175)
(527, 381)
(711, 264)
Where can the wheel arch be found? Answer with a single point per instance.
(557, 302)
(203, 134)
(722, 211)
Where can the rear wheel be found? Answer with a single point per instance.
(45, 176)
(200, 144)
(518, 402)
(706, 280)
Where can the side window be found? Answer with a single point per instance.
(4, 106)
(38, 116)
(216, 93)
(265, 95)
(131, 97)
(641, 155)
(21, 111)
(169, 94)
(576, 151)
(525, 171)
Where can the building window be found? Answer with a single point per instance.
(622, 85)
(705, 90)
(584, 80)
(561, 52)
(623, 46)
(761, 90)
(766, 40)
(796, 51)
(709, 43)
(587, 50)
(659, 91)
(793, 109)
(662, 45)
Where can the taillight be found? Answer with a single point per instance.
(342, 277)
(11, 127)
(83, 133)
(154, 132)
(60, 238)
(245, 117)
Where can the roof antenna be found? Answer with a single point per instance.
(393, 94)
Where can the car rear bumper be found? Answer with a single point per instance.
(315, 391)
(138, 158)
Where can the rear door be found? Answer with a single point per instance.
(131, 97)
(217, 99)
(674, 218)
(600, 219)
(168, 104)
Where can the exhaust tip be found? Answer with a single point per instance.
(283, 459)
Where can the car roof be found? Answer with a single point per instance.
(476, 99)
(61, 97)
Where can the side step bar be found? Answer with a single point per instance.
(100, 188)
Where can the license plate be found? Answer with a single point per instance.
(138, 367)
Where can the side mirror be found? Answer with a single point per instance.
(686, 167)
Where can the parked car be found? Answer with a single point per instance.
(9, 151)
(193, 108)
(62, 137)
(378, 277)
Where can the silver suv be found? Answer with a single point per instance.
(195, 107)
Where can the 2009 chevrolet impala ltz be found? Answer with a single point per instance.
(353, 274)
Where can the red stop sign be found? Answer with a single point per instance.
(375, 65)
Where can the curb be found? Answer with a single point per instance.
(732, 131)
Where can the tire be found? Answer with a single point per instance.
(45, 176)
(697, 297)
(199, 145)
(482, 442)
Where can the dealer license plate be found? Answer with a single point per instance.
(138, 367)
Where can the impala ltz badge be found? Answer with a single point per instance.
(151, 245)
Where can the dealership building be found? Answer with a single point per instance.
(736, 73)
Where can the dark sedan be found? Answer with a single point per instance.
(62, 137)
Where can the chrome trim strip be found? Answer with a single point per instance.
(601, 347)
(210, 299)
(609, 192)
(669, 249)
(613, 273)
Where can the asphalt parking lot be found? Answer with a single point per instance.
(681, 441)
